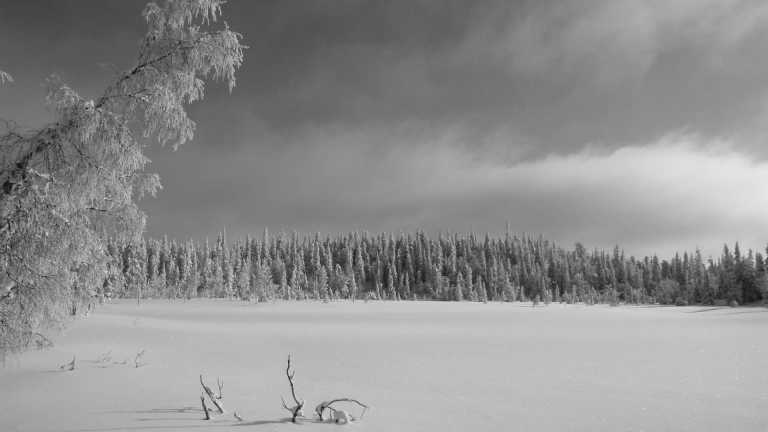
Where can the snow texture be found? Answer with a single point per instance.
(421, 366)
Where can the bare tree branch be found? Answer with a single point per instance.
(216, 401)
(205, 408)
(298, 409)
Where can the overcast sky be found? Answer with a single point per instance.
(638, 123)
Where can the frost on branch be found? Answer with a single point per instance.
(339, 415)
(67, 186)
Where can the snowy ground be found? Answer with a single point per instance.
(422, 367)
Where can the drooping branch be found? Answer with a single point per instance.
(298, 409)
(320, 409)
(67, 185)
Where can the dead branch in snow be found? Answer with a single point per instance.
(237, 416)
(336, 413)
(205, 408)
(298, 409)
(215, 400)
(137, 360)
(68, 366)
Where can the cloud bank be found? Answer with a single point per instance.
(681, 189)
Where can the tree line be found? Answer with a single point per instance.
(415, 266)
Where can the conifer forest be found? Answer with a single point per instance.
(449, 267)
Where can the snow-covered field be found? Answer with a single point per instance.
(421, 366)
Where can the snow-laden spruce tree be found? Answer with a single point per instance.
(69, 185)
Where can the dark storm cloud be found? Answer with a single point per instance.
(585, 120)
(563, 74)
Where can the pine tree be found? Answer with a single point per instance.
(285, 293)
(172, 278)
(228, 275)
(294, 282)
(458, 296)
(244, 279)
(193, 276)
(136, 275)
(263, 283)
(322, 285)
(391, 293)
(482, 294)
(468, 284)
(353, 289)
(360, 266)
(216, 277)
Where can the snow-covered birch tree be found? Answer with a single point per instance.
(67, 186)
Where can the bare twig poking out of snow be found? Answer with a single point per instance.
(137, 360)
(338, 415)
(237, 416)
(215, 399)
(205, 408)
(68, 366)
(298, 409)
